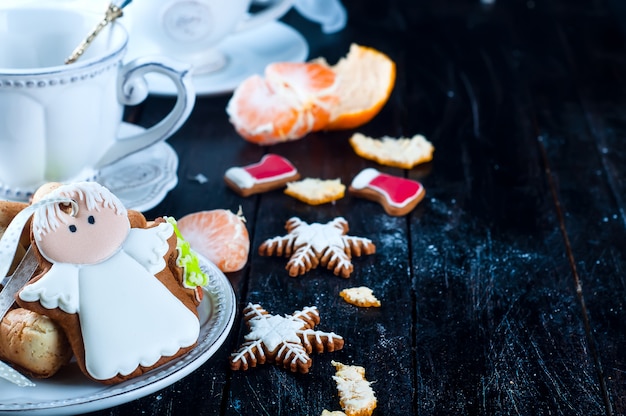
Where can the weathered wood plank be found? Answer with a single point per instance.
(489, 260)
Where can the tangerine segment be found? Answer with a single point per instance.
(264, 116)
(314, 85)
(366, 78)
(219, 235)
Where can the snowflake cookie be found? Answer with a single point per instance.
(285, 340)
(309, 245)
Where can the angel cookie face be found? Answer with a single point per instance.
(87, 233)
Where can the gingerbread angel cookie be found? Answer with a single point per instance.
(115, 290)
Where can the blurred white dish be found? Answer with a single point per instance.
(247, 53)
(140, 180)
(70, 392)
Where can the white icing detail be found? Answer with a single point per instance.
(144, 320)
(127, 316)
(284, 335)
(12, 234)
(355, 393)
(364, 177)
(240, 177)
(151, 257)
(46, 218)
(319, 241)
(273, 330)
(58, 288)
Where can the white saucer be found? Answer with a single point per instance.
(247, 53)
(140, 180)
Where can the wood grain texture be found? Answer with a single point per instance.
(503, 291)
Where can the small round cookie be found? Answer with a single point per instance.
(33, 342)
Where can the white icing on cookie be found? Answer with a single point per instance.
(270, 168)
(240, 177)
(127, 316)
(286, 338)
(364, 177)
(355, 392)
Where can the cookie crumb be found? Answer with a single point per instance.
(356, 396)
(361, 296)
(314, 191)
(403, 152)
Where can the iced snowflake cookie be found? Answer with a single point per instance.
(360, 296)
(314, 191)
(284, 340)
(398, 196)
(310, 245)
(122, 295)
(402, 153)
(356, 396)
(271, 172)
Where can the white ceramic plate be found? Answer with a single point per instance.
(247, 53)
(70, 392)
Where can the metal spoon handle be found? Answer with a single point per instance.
(112, 13)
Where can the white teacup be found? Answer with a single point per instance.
(60, 122)
(190, 30)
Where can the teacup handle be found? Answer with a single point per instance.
(132, 89)
(273, 12)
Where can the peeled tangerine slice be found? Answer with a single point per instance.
(397, 195)
(271, 172)
(292, 100)
(313, 83)
(263, 116)
(219, 235)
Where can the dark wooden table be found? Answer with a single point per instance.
(503, 291)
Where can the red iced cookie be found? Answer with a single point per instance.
(397, 195)
(272, 172)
